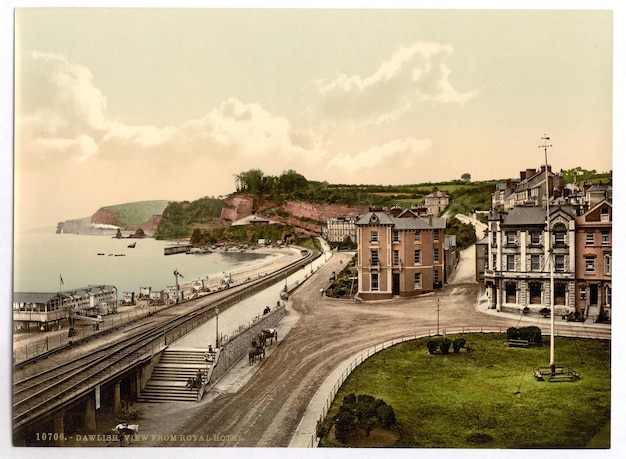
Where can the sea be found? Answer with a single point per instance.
(44, 261)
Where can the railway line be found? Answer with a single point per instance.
(59, 384)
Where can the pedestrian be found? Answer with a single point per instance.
(321, 292)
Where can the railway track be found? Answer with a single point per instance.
(48, 390)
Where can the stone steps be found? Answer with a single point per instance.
(169, 377)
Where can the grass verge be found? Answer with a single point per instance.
(488, 397)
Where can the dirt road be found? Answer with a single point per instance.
(267, 409)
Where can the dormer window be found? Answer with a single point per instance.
(604, 215)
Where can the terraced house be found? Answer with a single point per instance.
(594, 262)
(517, 275)
(519, 258)
(399, 253)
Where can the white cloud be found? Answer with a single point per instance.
(390, 155)
(60, 113)
(413, 74)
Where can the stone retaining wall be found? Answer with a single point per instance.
(238, 346)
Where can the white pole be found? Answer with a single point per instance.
(550, 261)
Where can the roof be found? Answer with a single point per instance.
(437, 194)
(44, 297)
(33, 297)
(532, 215)
(401, 222)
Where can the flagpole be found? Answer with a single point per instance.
(550, 263)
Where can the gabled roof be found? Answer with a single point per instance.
(406, 221)
(374, 218)
(533, 215)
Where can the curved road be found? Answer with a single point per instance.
(266, 410)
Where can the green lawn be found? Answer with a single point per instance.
(442, 400)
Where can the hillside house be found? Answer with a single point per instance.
(436, 202)
(340, 228)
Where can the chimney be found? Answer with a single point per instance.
(396, 210)
(430, 219)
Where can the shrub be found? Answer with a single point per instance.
(444, 345)
(530, 333)
(345, 422)
(433, 344)
(457, 344)
(512, 333)
(386, 415)
(362, 411)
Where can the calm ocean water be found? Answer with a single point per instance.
(42, 257)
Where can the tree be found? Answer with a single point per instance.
(466, 177)
(291, 181)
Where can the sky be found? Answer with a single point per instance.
(126, 104)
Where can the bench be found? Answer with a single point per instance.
(518, 343)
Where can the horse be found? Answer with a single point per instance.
(270, 333)
(126, 432)
(252, 356)
(253, 353)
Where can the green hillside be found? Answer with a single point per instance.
(179, 218)
(137, 213)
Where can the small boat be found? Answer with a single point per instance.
(132, 246)
(100, 253)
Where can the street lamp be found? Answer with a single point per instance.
(217, 339)
(437, 316)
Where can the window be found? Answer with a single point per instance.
(436, 279)
(590, 265)
(560, 290)
(436, 255)
(374, 282)
(374, 236)
(495, 261)
(494, 238)
(417, 236)
(589, 240)
(374, 257)
(535, 238)
(510, 238)
(583, 292)
(607, 264)
(604, 216)
(396, 257)
(559, 263)
(511, 292)
(417, 255)
(396, 236)
(436, 235)
(510, 262)
(418, 280)
(559, 235)
(535, 292)
(605, 237)
(535, 263)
